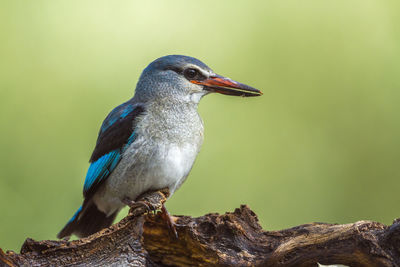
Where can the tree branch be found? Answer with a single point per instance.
(232, 239)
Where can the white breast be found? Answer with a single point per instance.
(177, 164)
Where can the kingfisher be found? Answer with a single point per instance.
(149, 142)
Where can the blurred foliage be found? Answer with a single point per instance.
(322, 144)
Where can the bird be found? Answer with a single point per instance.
(149, 142)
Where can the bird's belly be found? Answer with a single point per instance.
(164, 166)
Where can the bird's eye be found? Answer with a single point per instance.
(191, 73)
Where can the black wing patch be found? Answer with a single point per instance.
(116, 135)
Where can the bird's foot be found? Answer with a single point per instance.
(138, 204)
(170, 222)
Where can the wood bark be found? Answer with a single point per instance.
(231, 239)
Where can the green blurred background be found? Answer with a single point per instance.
(322, 144)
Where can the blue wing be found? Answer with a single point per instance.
(101, 169)
(116, 133)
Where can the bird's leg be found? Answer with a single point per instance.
(167, 218)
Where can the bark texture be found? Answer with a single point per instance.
(231, 239)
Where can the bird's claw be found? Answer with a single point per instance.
(148, 206)
(168, 219)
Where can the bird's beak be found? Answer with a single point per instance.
(226, 86)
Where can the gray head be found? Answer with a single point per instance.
(187, 79)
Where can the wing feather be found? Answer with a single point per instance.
(116, 133)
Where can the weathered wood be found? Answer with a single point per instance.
(232, 239)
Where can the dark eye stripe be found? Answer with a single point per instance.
(198, 77)
(193, 74)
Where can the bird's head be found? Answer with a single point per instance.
(186, 78)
